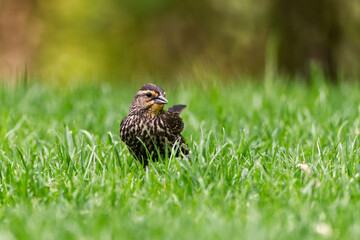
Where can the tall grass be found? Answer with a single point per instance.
(273, 161)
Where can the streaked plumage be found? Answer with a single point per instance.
(148, 124)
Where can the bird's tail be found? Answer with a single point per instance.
(177, 108)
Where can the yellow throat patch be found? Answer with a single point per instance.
(155, 109)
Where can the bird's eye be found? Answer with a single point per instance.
(148, 94)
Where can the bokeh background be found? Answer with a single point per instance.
(126, 40)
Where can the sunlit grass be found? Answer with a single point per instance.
(65, 174)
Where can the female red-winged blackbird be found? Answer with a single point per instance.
(148, 130)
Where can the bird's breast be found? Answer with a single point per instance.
(139, 126)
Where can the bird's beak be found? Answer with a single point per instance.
(160, 100)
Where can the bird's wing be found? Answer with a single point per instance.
(176, 125)
(174, 121)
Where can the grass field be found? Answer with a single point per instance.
(64, 174)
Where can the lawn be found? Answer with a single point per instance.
(268, 161)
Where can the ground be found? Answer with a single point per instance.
(278, 160)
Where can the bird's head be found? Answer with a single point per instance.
(150, 99)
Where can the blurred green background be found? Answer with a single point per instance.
(165, 39)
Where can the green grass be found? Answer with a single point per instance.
(64, 174)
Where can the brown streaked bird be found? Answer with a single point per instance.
(148, 130)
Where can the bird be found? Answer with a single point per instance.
(149, 131)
